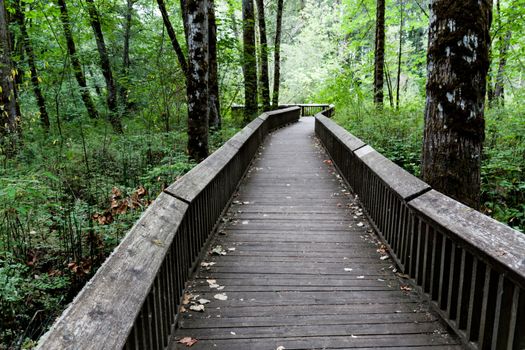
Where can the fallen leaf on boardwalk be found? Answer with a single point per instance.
(182, 310)
(384, 257)
(221, 296)
(233, 333)
(245, 222)
(158, 242)
(360, 224)
(280, 348)
(231, 249)
(245, 203)
(186, 298)
(207, 264)
(203, 301)
(218, 250)
(188, 341)
(347, 269)
(220, 288)
(406, 288)
(360, 277)
(212, 283)
(339, 205)
(327, 161)
(198, 308)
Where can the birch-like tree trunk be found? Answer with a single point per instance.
(197, 78)
(277, 55)
(213, 83)
(400, 50)
(379, 56)
(75, 61)
(249, 61)
(9, 116)
(105, 65)
(458, 61)
(126, 61)
(264, 80)
(499, 87)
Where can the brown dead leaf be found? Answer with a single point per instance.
(188, 341)
(327, 162)
(406, 288)
(186, 298)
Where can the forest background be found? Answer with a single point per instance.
(71, 192)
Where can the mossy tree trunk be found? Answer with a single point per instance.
(264, 80)
(31, 60)
(379, 56)
(75, 61)
(458, 61)
(197, 78)
(277, 55)
(213, 83)
(249, 61)
(105, 65)
(9, 116)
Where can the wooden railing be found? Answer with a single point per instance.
(470, 267)
(133, 300)
(307, 110)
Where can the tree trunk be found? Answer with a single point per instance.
(197, 79)
(499, 86)
(249, 61)
(379, 60)
(277, 55)
(9, 116)
(213, 83)
(458, 61)
(400, 51)
(126, 61)
(265, 84)
(173, 37)
(75, 62)
(106, 67)
(35, 82)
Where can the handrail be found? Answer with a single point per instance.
(470, 267)
(307, 109)
(133, 300)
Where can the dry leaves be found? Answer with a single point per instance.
(188, 341)
(120, 205)
(221, 296)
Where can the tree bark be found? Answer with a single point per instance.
(400, 51)
(213, 83)
(249, 61)
(173, 37)
(264, 81)
(35, 82)
(379, 59)
(197, 79)
(277, 55)
(126, 61)
(458, 61)
(499, 95)
(9, 111)
(75, 61)
(105, 65)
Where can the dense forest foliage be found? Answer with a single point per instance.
(103, 116)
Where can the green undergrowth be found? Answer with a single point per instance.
(398, 135)
(65, 203)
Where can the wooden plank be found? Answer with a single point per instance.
(100, 309)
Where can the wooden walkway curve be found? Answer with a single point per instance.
(299, 266)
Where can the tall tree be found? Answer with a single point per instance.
(173, 37)
(126, 61)
(213, 83)
(504, 44)
(400, 50)
(458, 61)
(277, 55)
(379, 55)
(9, 116)
(249, 61)
(264, 81)
(31, 60)
(197, 78)
(75, 61)
(105, 65)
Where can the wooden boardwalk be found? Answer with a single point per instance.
(302, 268)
